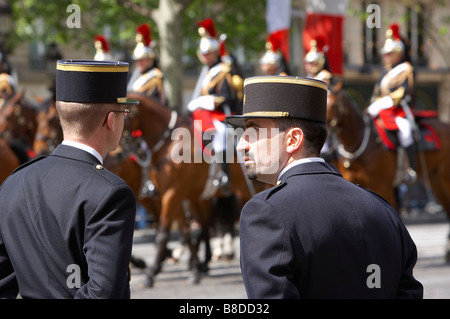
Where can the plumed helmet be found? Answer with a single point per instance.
(393, 42)
(316, 53)
(144, 43)
(272, 56)
(102, 52)
(207, 32)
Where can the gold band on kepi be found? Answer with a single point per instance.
(89, 81)
(282, 97)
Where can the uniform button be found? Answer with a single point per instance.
(99, 167)
(278, 183)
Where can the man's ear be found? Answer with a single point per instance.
(294, 139)
(110, 118)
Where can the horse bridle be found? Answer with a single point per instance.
(144, 163)
(351, 156)
(166, 133)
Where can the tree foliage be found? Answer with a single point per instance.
(242, 21)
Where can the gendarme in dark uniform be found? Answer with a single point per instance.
(66, 222)
(314, 234)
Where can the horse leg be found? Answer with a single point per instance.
(161, 240)
(225, 207)
(440, 183)
(204, 236)
(203, 212)
(171, 210)
(185, 232)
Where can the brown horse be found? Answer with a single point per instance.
(17, 131)
(18, 125)
(48, 132)
(180, 184)
(363, 159)
(8, 160)
(18, 120)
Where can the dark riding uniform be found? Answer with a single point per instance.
(395, 91)
(316, 65)
(214, 95)
(149, 80)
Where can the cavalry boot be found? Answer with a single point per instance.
(223, 177)
(411, 152)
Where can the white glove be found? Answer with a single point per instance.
(204, 102)
(379, 105)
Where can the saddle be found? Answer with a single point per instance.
(203, 121)
(206, 118)
(387, 129)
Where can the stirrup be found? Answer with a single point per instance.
(148, 190)
(221, 180)
(410, 176)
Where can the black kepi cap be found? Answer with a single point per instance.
(89, 81)
(282, 97)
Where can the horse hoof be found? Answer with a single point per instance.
(138, 262)
(203, 268)
(194, 279)
(433, 208)
(149, 283)
(229, 256)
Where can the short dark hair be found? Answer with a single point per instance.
(315, 132)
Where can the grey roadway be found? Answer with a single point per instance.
(224, 280)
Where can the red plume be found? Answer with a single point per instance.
(144, 29)
(208, 24)
(321, 43)
(395, 31)
(102, 39)
(274, 40)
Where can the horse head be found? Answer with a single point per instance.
(18, 119)
(49, 132)
(339, 107)
(151, 118)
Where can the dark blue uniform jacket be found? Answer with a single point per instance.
(66, 228)
(316, 235)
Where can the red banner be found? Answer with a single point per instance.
(327, 21)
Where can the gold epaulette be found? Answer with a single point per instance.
(158, 73)
(238, 84)
(225, 67)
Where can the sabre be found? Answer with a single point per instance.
(432, 206)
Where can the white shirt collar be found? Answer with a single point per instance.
(300, 161)
(85, 148)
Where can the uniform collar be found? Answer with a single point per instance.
(85, 148)
(311, 167)
(300, 161)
